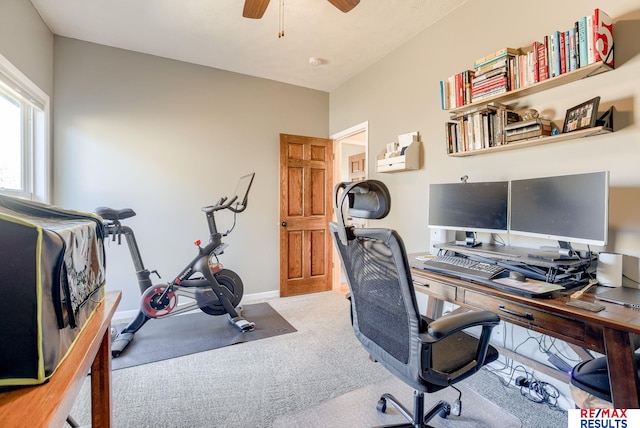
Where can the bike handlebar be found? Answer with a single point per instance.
(220, 205)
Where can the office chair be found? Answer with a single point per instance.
(427, 355)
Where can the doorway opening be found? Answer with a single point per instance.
(351, 156)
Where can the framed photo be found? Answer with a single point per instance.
(581, 116)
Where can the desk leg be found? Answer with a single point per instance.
(434, 308)
(622, 369)
(101, 384)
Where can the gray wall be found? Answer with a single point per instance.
(400, 94)
(167, 138)
(26, 41)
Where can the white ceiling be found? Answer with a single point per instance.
(214, 33)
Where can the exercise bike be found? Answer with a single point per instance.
(208, 286)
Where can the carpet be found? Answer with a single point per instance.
(358, 409)
(177, 336)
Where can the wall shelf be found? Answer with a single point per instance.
(408, 161)
(572, 76)
(553, 82)
(597, 130)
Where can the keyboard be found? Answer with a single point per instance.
(462, 267)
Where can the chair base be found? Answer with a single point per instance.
(418, 419)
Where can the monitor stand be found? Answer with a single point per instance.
(563, 252)
(470, 241)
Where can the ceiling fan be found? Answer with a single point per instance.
(255, 8)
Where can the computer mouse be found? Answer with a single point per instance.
(516, 276)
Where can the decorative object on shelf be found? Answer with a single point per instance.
(529, 114)
(606, 119)
(582, 116)
(402, 155)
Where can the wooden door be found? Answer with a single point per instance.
(305, 211)
(357, 167)
(357, 172)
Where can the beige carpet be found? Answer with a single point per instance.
(358, 409)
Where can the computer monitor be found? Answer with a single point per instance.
(469, 207)
(568, 208)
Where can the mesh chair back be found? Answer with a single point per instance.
(385, 312)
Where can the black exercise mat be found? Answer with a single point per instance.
(165, 338)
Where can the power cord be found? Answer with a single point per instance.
(538, 391)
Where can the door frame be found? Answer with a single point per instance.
(340, 138)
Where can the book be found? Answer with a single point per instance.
(543, 68)
(467, 76)
(497, 54)
(450, 133)
(564, 48)
(573, 61)
(493, 92)
(582, 42)
(452, 91)
(554, 64)
(590, 54)
(532, 128)
(444, 95)
(529, 135)
(527, 123)
(501, 71)
(490, 83)
(603, 37)
(535, 65)
(491, 65)
(459, 90)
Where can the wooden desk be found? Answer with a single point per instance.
(609, 332)
(49, 404)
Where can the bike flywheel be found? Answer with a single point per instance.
(157, 301)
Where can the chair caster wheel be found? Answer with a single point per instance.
(382, 405)
(446, 411)
(456, 409)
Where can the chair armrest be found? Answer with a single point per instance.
(449, 324)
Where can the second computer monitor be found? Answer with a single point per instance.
(568, 208)
(469, 207)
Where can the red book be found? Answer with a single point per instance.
(543, 65)
(459, 90)
(490, 84)
(602, 37)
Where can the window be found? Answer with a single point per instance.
(24, 136)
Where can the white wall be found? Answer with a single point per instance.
(400, 94)
(166, 138)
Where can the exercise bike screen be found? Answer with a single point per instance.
(242, 190)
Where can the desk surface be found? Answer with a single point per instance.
(49, 404)
(610, 332)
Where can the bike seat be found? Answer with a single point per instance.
(114, 215)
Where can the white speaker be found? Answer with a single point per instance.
(609, 270)
(439, 236)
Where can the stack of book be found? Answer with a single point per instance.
(479, 128)
(492, 74)
(527, 130)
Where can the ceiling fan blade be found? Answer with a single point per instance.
(254, 9)
(344, 5)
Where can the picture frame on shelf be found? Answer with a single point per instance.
(582, 116)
